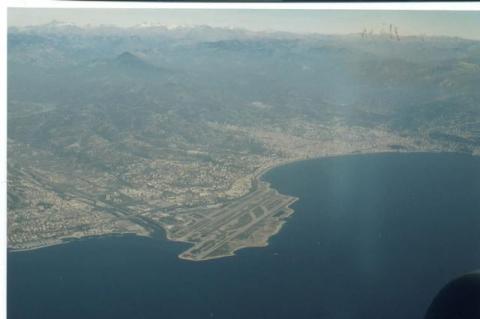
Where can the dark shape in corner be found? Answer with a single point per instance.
(459, 299)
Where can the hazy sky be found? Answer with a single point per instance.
(450, 23)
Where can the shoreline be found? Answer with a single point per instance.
(68, 240)
(257, 178)
(266, 243)
(360, 152)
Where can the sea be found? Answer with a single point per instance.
(372, 236)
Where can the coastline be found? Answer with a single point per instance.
(256, 179)
(67, 240)
(277, 230)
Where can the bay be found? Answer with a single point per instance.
(372, 236)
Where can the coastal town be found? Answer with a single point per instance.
(92, 207)
(168, 133)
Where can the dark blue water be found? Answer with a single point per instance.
(373, 236)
